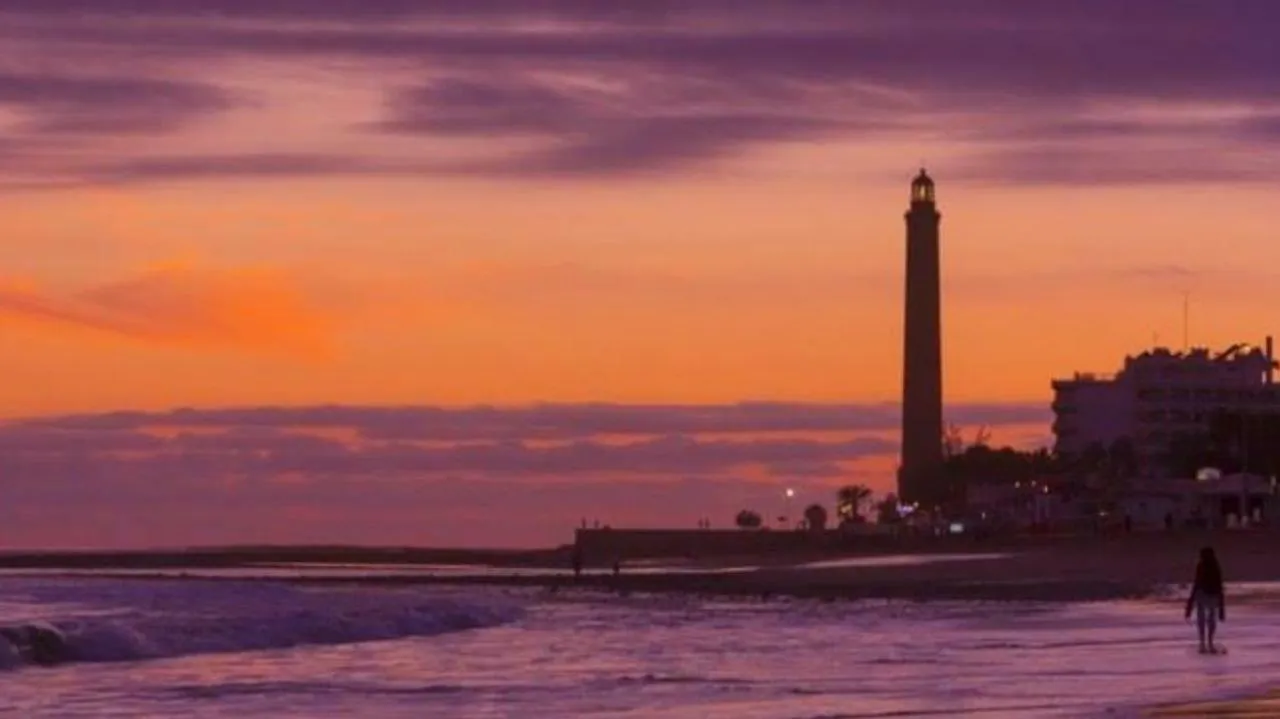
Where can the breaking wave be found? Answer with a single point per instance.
(154, 621)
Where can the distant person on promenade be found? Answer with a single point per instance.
(1208, 599)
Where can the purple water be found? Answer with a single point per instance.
(142, 648)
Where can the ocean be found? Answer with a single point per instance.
(245, 646)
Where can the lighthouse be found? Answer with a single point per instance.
(920, 470)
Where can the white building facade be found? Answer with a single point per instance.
(1159, 395)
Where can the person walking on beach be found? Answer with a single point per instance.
(1208, 599)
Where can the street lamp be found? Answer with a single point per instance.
(790, 493)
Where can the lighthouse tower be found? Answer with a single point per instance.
(920, 471)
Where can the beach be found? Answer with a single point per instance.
(1263, 707)
(249, 645)
(1068, 569)
(1026, 627)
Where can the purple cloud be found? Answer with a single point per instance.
(1262, 127)
(349, 11)
(317, 457)
(665, 86)
(432, 511)
(133, 472)
(550, 421)
(1084, 165)
(200, 167)
(641, 126)
(33, 440)
(476, 107)
(1092, 48)
(280, 474)
(90, 105)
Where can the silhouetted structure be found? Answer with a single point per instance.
(1160, 397)
(920, 477)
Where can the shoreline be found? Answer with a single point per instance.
(937, 578)
(752, 585)
(1251, 542)
(1050, 569)
(768, 587)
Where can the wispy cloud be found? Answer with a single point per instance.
(86, 104)
(640, 125)
(675, 86)
(239, 166)
(247, 309)
(544, 421)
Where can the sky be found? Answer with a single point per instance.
(469, 271)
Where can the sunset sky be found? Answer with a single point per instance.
(463, 272)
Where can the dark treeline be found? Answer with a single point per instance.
(984, 464)
(979, 463)
(1233, 442)
(1100, 472)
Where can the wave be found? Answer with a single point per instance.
(175, 621)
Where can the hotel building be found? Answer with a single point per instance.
(1161, 394)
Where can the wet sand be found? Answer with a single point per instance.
(1264, 706)
(1033, 569)
(1056, 569)
(1017, 569)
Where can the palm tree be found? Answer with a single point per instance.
(748, 519)
(815, 517)
(849, 501)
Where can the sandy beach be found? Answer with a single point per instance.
(1258, 707)
(1079, 568)
(1039, 569)
(1066, 570)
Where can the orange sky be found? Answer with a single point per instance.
(766, 287)
(214, 204)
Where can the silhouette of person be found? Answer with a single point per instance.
(577, 561)
(1208, 599)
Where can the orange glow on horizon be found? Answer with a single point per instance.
(804, 311)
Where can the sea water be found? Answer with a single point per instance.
(248, 647)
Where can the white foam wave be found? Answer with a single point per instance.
(187, 618)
